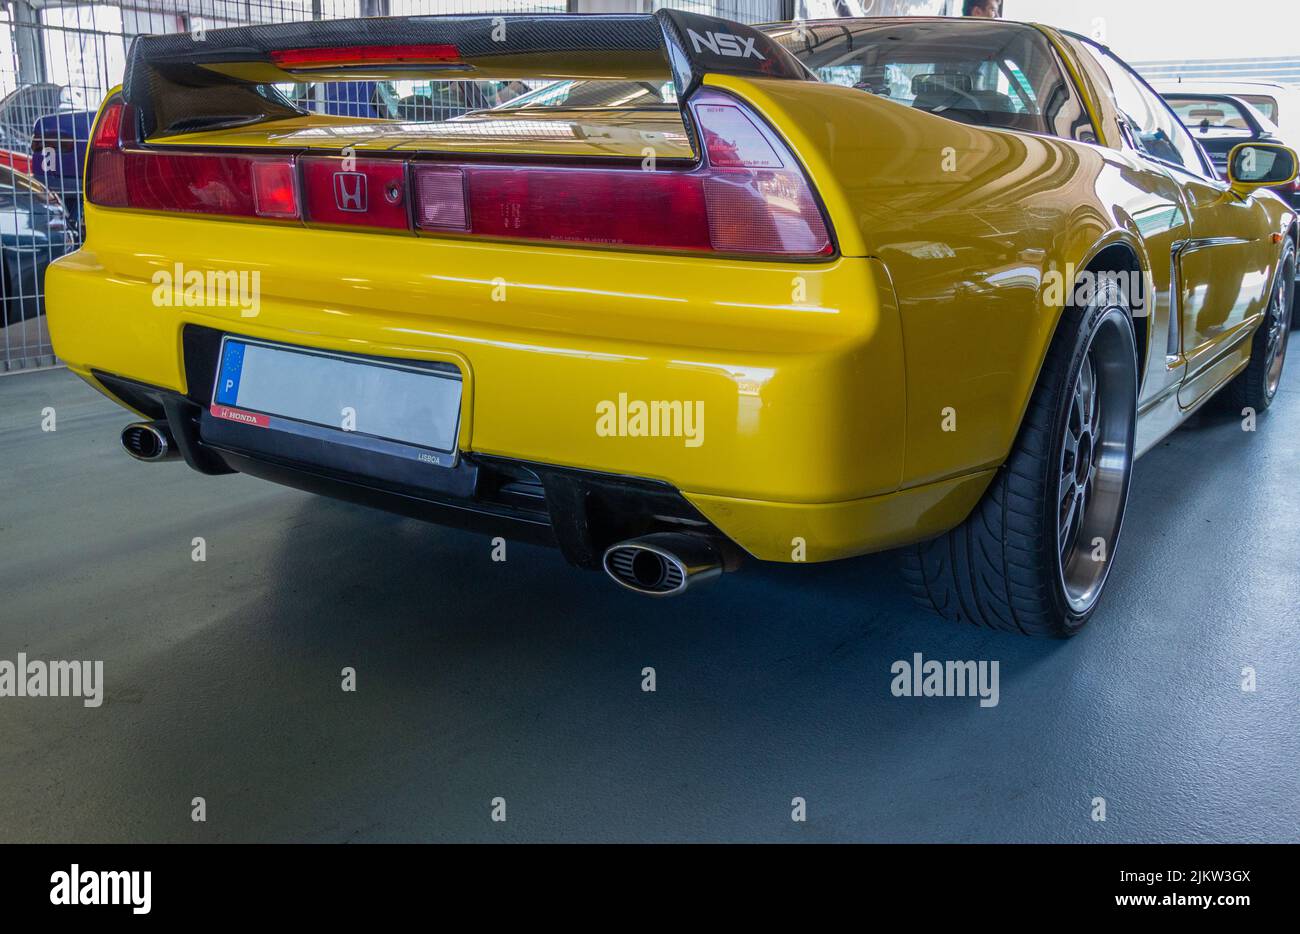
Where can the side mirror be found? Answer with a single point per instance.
(1260, 165)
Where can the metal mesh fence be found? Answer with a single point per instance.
(58, 59)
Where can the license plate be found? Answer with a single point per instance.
(391, 408)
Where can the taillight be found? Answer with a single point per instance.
(233, 186)
(106, 171)
(747, 196)
(275, 188)
(613, 207)
(108, 130)
(122, 176)
(758, 198)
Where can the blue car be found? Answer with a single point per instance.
(33, 231)
(59, 142)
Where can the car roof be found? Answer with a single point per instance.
(1210, 85)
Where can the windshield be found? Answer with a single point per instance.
(1211, 118)
(1220, 117)
(990, 74)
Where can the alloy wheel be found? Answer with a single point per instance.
(1279, 332)
(1096, 461)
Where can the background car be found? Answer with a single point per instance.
(1278, 102)
(33, 231)
(58, 151)
(19, 160)
(20, 109)
(1220, 122)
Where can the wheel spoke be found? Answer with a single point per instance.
(1095, 415)
(1086, 392)
(1069, 459)
(1069, 508)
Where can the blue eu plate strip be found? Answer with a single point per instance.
(232, 364)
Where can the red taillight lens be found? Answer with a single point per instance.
(233, 186)
(275, 188)
(106, 172)
(109, 128)
(364, 55)
(196, 183)
(614, 207)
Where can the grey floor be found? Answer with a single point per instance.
(522, 680)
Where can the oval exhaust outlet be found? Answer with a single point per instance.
(149, 441)
(663, 564)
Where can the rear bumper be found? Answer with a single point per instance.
(580, 512)
(798, 369)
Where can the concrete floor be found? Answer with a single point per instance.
(522, 680)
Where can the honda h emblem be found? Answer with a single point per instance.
(350, 191)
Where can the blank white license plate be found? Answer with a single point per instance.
(351, 400)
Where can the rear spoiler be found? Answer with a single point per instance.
(182, 83)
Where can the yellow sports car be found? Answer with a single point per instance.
(796, 292)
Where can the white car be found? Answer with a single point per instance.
(1278, 102)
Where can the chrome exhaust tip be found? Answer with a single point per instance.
(663, 564)
(149, 441)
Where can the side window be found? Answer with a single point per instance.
(1152, 126)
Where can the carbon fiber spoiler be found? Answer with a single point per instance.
(180, 83)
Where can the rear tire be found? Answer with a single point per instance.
(1035, 553)
(1256, 386)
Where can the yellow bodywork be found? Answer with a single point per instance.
(850, 405)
